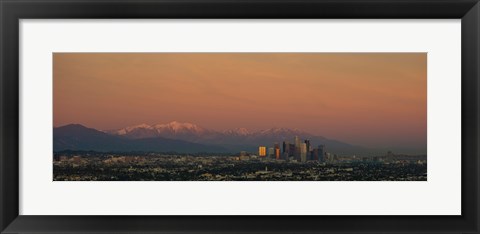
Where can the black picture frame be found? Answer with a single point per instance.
(12, 11)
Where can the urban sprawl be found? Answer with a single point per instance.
(287, 162)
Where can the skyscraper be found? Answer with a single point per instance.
(271, 152)
(262, 151)
(308, 145)
(321, 153)
(298, 143)
(277, 154)
(303, 152)
(314, 154)
(286, 150)
(277, 150)
(291, 150)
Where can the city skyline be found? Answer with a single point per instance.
(297, 161)
(369, 99)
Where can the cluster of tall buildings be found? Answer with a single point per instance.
(300, 150)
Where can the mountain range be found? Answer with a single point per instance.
(79, 137)
(188, 138)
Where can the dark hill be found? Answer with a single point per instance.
(79, 137)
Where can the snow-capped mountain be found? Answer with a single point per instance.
(176, 127)
(79, 137)
(187, 137)
(194, 133)
(127, 130)
(135, 132)
(190, 131)
(234, 140)
(237, 132)
(174, 130)
(282, 132)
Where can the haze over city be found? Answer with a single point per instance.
(368, 99)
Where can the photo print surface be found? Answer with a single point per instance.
(239, 117)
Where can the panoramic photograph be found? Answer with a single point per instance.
(239, 117)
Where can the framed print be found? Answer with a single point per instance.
(245, 89)
(239, 116)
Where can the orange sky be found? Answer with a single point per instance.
(370, 99)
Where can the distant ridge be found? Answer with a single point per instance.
(191, 138)
(79, 137)
(235, 140)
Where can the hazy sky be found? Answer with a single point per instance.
(371, 99)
